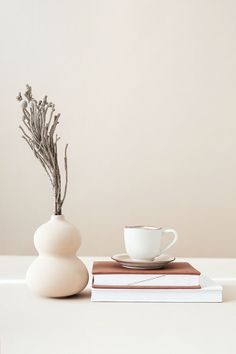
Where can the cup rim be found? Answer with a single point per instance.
(143, 227)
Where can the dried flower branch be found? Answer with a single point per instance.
(40, 122)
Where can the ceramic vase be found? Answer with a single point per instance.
(57, 271)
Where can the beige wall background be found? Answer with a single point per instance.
(147, 92)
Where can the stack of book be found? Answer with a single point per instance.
(177, 282)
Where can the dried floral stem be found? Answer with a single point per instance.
(40, 136)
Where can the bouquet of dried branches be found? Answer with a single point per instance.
(40, 122)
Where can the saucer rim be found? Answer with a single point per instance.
(145, 262)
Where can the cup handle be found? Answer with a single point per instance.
(172, 242)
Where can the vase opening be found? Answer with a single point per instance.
(57, 217)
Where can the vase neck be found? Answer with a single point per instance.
(57, 217)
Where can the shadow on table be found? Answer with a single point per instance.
(85, 295)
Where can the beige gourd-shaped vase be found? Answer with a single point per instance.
(57, 271)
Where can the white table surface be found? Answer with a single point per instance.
(33, 325)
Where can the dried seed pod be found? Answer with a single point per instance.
(40, 125)
(23, 104)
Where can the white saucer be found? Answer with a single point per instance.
(159, 262)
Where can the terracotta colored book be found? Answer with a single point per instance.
(177, 275)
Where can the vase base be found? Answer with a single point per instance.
(57, 277)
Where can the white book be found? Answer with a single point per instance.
(146, 280)
(209, 292)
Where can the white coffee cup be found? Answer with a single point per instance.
(144, 242)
